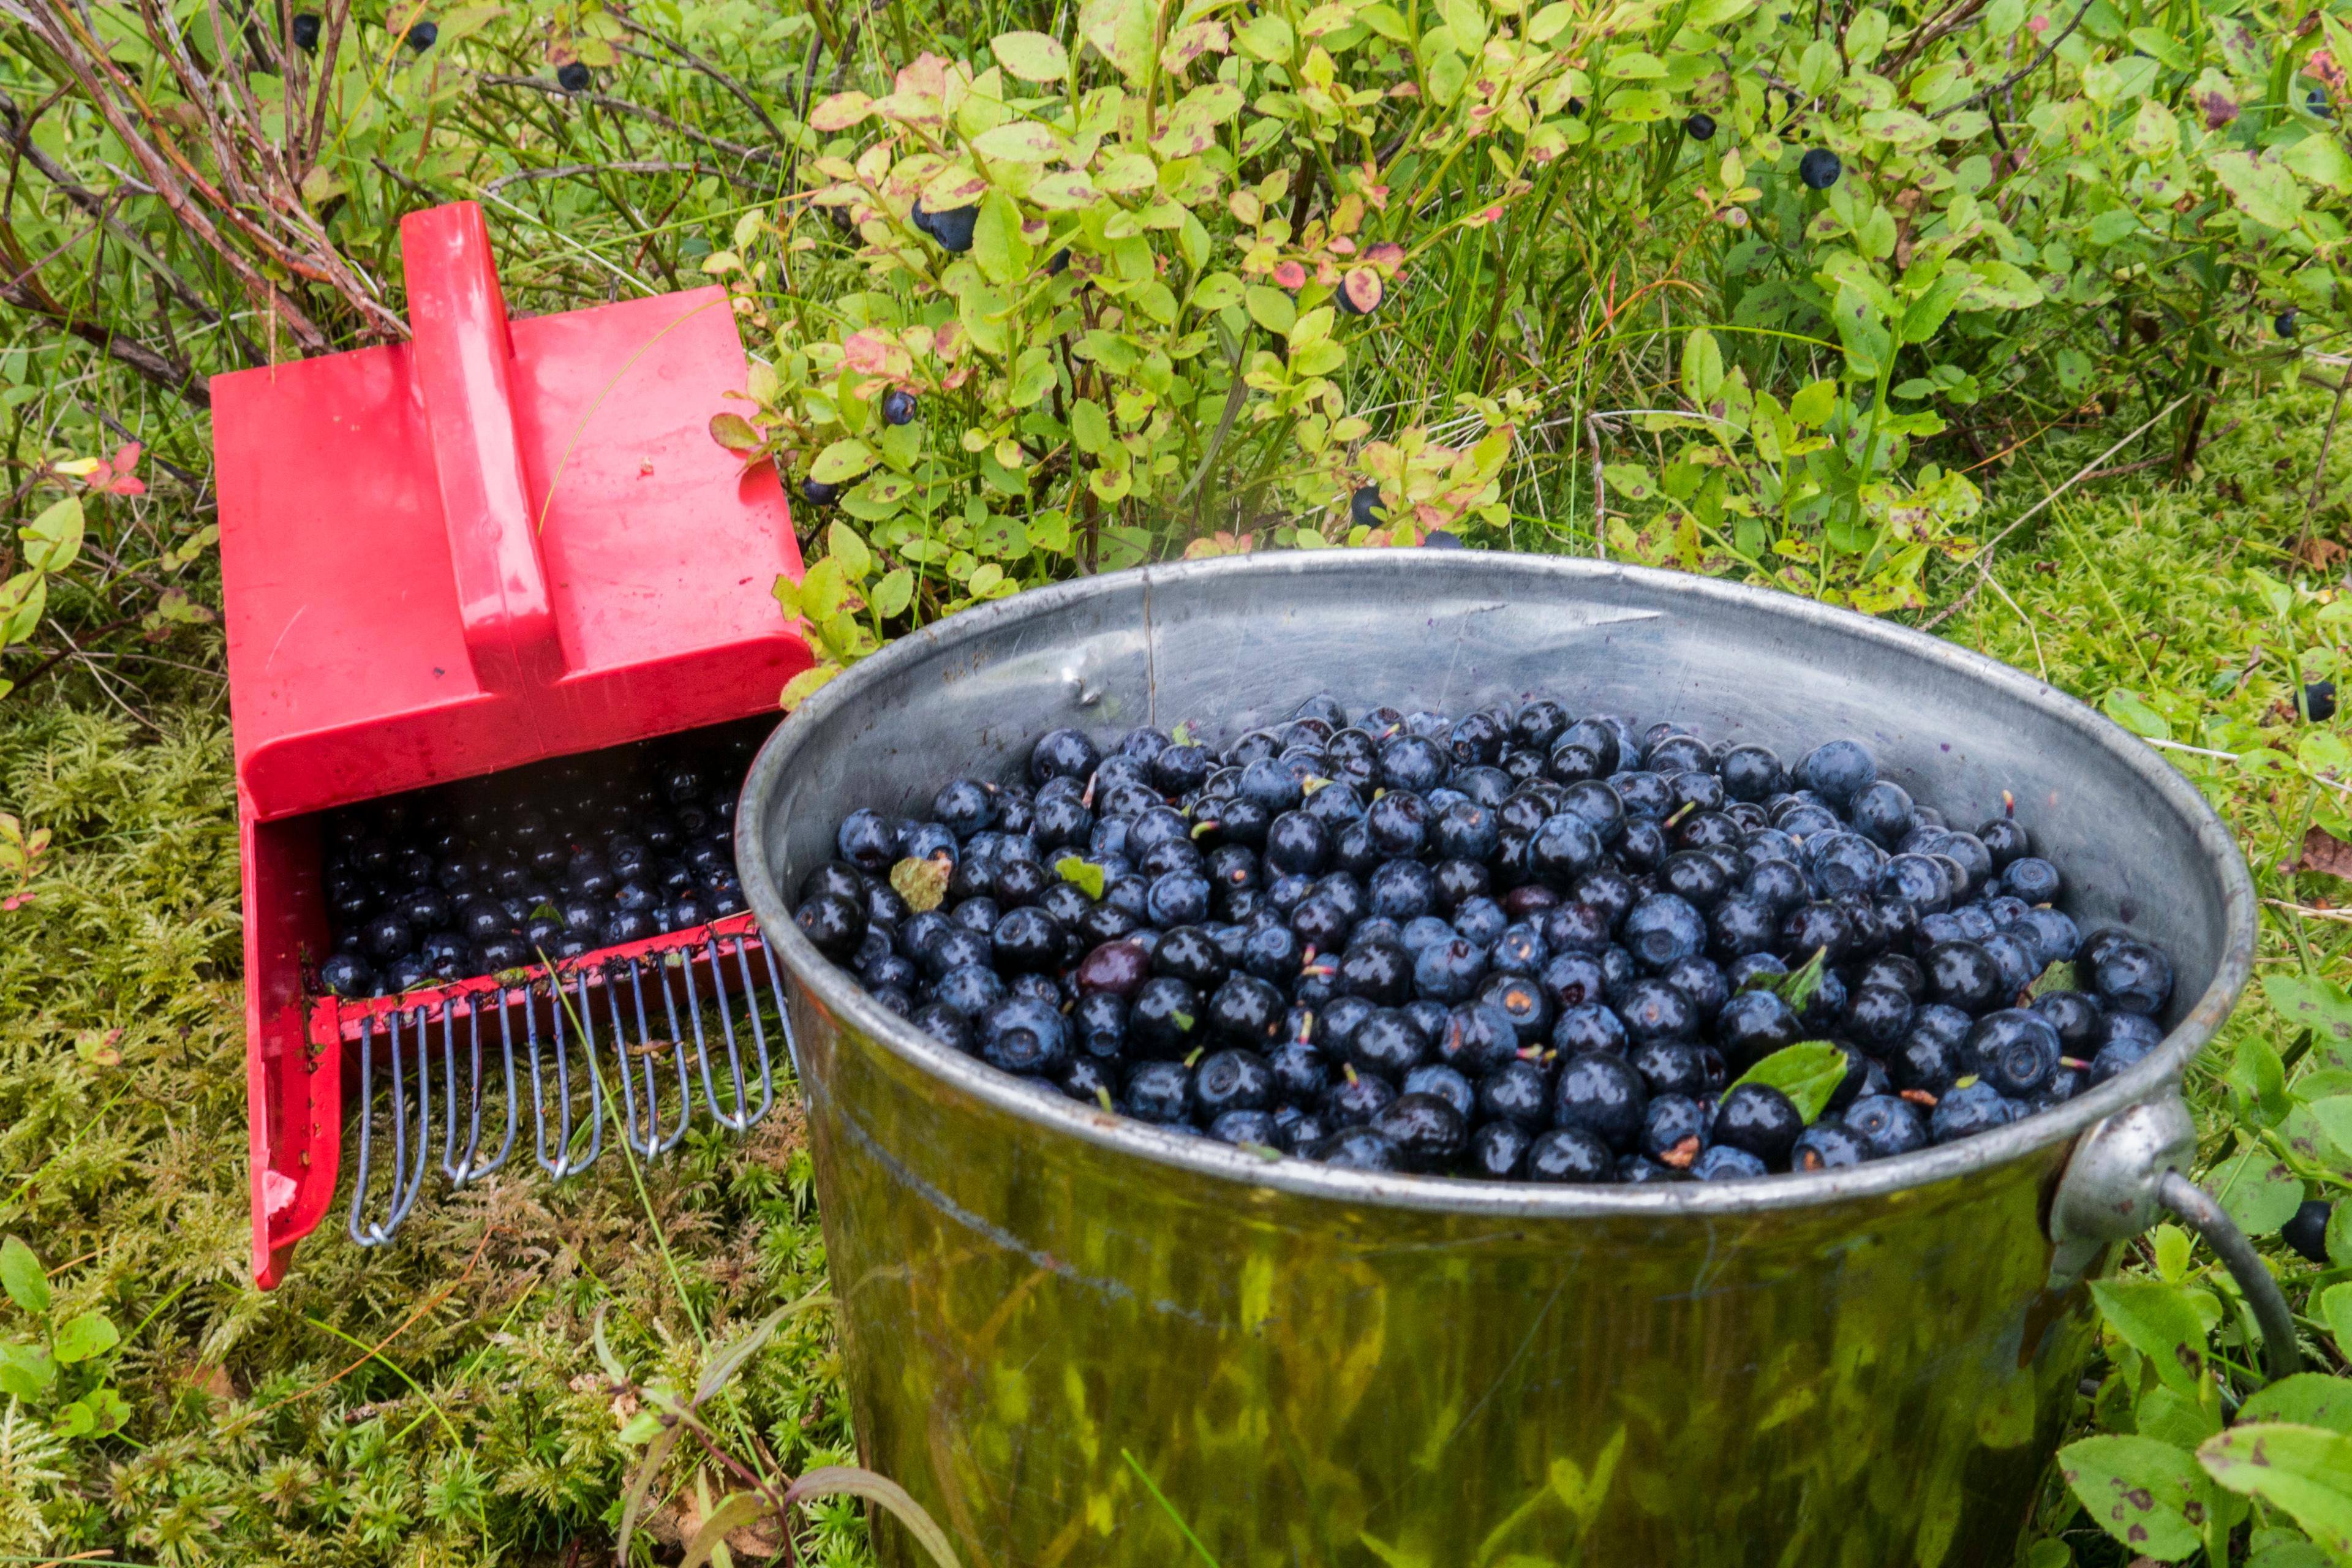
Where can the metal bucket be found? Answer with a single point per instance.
(1050, 1313)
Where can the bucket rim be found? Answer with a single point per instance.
(837, 994)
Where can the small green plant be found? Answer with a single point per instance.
(666, 1419)
(62, 1366)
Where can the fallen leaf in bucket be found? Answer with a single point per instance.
(2325, 853)
(922, 883)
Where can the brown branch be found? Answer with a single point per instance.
(548, 84)
(25, 291)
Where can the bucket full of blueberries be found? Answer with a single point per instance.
(1397, 1058)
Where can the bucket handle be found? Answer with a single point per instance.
(2123, 1172)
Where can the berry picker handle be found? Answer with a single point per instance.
(2124, 1171)
(464, 374)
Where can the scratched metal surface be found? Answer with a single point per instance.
(1328, 1367)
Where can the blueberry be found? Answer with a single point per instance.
(345, 974)
(1966, 1110)
(2015, 1050)
(306, 32)
(420, 36)
(1885, 1126)
(948, 1027)
(389, 936)
(1429, 1133)
(1245, 1129)
(1498, 1151)
(1601, 1092)
(1826, 1146)
(2133, 977)
(1674, 1129)
(1724, 1162)
(1568, 1154)
(571, 76)
(832, 924)
(2031, 878)
(1759, 1119)
(1159, 1091)
(2287, 321)
(1699, 126)
(2307, 1231)
(1753, 1025)
(1962, 975)
(2319, 700)
(1662, 930)
(1819, 168)
(1357, 1149)
(1837, 772)
(953, 227)
(1365, 508)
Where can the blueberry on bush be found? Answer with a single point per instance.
(1819, 168)
(306, 31)
(899, 407)
(420, 36)
(2287, 321)
(1699, 126)
(2319, 700)
(1365, 508)
(2306, 1230)
(573, 76)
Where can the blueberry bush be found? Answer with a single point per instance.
(2017, 317)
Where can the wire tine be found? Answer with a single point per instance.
(506, 1049)
(677, 1052)
(552, 1165)
(758, 1031)
(783, 997)
(405, 1195)
(646, 1145)
(742, 1120)
(369, 1236)
(702, 1052)
(595, 1083)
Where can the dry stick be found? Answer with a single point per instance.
(1599, 492)
(2160, 458)
(1982, 557)
(564, 171)
(621, 105)
(2028, 69)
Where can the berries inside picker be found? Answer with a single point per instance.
(1514, 945)
(554, 860)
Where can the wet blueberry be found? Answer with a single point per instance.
(1826, 1146)
(1725, 1162)
(1601, 1092)
(1759, 1119)
(1568, 1154)
(1357, 1148)
(1427, 1130)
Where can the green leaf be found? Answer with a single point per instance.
(844, 461)
(22, 1278)
(1271, 308)
(1702, 367)
(21, 599)
(1121, 31)
(2264, 192)
(2306, 1470)
(802, 687)
(2322, 161)
(2334, 1115)
(614, 1370)
(2133, 714)
(2255, 1188)
(833, 1481)
(1081, 874)
(1542, 27)
(1797, 987)
(86, 1335)
(1924, 317)
(728, 1358)
(1813, 404)
(2306, 1399)
(1267, 37)
(2160, 1322)
(2143, 1493)
(1862, 330)
(26, 1370)
(2336, 1306)
(843, 546)
(633, 1500)
(1089, 425)
(1808, 1073)
(53, 538)
(1031, 57)
(733, 1513)
(923, 884)
(2320, 1005)
(2058, 976)
(1002, 251)
(894, 592)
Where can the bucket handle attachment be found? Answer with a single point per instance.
(2125, 1170)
